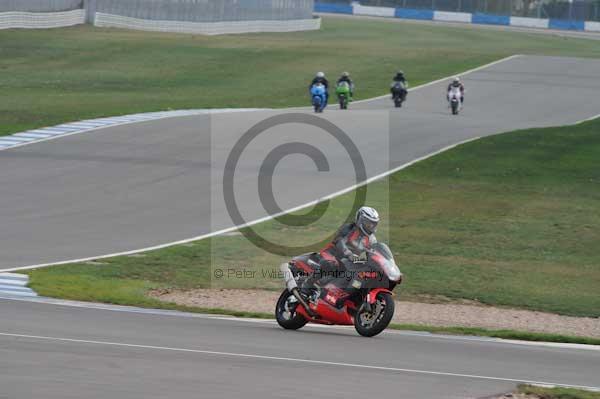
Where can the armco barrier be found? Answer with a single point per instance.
(490, 19)
(38, 20)
(411, 13)
(566, 25)
(592, 26)
(452, 16)
(206, 28)
(529, 22)
(374, 11)
(334, 8)
(478, 18)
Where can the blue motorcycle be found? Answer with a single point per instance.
(319, 97)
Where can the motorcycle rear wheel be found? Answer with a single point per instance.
(369, 324)
(286, 316)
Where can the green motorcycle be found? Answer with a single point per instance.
(343, 93)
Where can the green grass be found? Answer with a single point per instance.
(558, 393)
(504, 334)
(510, 220)
(54, 76)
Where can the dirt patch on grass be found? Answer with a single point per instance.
(431, 314)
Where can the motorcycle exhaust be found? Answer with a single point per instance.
(292, 286)
(300, 299)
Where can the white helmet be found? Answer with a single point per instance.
(345, 74)
(456, 79)
(367, 219)
(320, 74)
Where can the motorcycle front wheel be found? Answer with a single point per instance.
(454, 108)
(285, 312)
(369, 323)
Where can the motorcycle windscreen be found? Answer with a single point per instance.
(317, 90)
(383, 256)
(398, 86)
(455, 93)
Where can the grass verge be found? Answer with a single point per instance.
(52, 76)
(557, 393)
(510, 220)
(504, 334)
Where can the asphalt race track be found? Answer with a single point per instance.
(139, 185)
(49, 351)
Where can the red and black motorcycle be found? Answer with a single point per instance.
(359, 295)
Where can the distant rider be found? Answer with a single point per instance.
(351, 240)
(456, 83)
(346, 78)
(320, 78)
(399, 78)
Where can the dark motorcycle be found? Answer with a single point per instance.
(399, 93)
(360, 295)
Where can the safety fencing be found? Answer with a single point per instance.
(45, 6)
(45, 20)
(356, 8)
(212, 17)
(206, 28)
(207, 11)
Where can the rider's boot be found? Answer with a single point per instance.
(309, 285)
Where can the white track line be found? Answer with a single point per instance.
(445, 78)
(272, 322)
(591, 118)
(294, 360)
(69, 129)
(235, 228)
(266, 218)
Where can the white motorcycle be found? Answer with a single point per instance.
(454, 96)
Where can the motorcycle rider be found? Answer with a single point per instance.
(346, 78)
(399, 78)
(456, 83)
(320, 78)
(351, 240)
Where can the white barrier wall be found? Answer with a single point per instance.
(37, 20)
(529, 22)
(452, 16)
(373, 11)
(592, 26)
(458, 17)
(206, 28)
